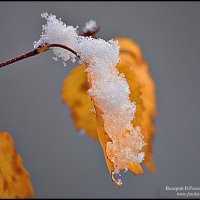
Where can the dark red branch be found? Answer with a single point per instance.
(21, 57)
(46, 47)
(92, 33)
(63, 47)
(36, 51)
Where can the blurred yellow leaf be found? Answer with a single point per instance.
(74, 94)
(14, 179)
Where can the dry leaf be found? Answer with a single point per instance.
(104, 138)
(135, 88)
(74, 94)
(14, 179)
(142, 88)
(131, 54)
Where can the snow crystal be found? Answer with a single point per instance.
(109, 90)
(90, 26)
(57, 32)
(139, 158)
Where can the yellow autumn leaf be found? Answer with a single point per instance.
(14, 179)
(74, 94)
(142, 88)
(135, 96)
(131, 54)
(104, 139)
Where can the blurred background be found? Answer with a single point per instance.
(61, 162)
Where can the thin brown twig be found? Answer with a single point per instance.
(92, 33)
(21, 57)
(63, 47)
(36, 51)
(45, 47)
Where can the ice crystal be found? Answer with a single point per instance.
(90, 26)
